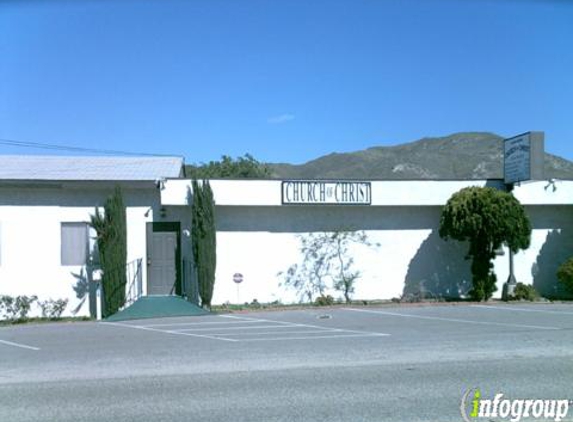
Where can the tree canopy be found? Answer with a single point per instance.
(246, 167)
(487, 218)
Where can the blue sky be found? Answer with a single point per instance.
(284, 80)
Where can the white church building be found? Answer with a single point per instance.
(46, 203)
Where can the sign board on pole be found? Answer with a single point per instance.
(238, 278)
(524, 157)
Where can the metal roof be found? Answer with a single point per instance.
(48, 167)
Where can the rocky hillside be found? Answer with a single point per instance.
(468, 155)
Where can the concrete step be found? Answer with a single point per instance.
(158, 307)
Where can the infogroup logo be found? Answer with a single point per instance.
(474, 407)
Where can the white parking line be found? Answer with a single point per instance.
(257, 327)
(212, 337)
(244, 329)
(268, 333)
(355, 333)
(137, 327)
(512, 308)
(466, 321)
(242, 318)
(175, 324)
(315, 337)
(20, 345)
(293, 324)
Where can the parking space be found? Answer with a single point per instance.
(230, 328)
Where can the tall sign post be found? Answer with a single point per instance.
(238, 279)
(523, 160)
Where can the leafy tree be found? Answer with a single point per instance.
(486, 218)
(325, 263)
(565, 274)
(203, 238)
(111, 232)
(309, 277)
(246, 167)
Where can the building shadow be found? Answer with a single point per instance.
(81, 289)
(439, 270)
(84, 287)
(555, 251)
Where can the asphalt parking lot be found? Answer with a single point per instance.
(391, 363)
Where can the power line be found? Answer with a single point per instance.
(41, 145)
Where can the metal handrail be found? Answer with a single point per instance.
(133, 286)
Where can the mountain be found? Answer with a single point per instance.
(467, 155)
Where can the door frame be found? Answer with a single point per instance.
(165, 226)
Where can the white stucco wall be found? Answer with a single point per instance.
(260, 242)
(30, 239)
(268, 192)
(257, 243)
(257, 236)
(261, 256)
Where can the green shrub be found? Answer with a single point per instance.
(565, 274)
(53, 308)
(15, 308)
(324, 300)
(525, 292)
(5, 306)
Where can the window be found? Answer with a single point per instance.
(74, 243)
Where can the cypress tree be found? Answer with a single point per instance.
(196, 228)
(210, 244)
(204, 242)
(111, 229)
